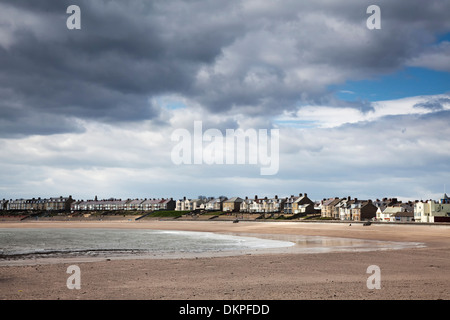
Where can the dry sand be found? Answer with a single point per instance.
(418, 273)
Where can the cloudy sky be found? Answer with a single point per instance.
(361, 113)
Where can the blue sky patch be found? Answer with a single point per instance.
(408, 82)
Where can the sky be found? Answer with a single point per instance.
(92, 111)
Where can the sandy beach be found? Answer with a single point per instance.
(413, 273)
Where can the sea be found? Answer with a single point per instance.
(29, 243)
(53, 244)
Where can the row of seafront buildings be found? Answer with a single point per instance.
(300, 204)
(127, 205)
(37, 204)
(346, 209)
(387, 209)
(67, 204)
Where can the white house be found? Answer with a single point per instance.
(189, 204)
(432, 211)
(388, 214)
(245, 205)
(275, 204)
(215, 204)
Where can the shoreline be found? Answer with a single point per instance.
(411, 273)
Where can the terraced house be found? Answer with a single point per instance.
(275, 204)
(344, 208)
(133, 204)
(59, 204)
(329, 209)
(215, 204)
(128, 205)
(38, 204)
(301, 204)
(157, 204)
(189, 204)
(17, 204)
(99, 205)
(232, 205)
(255, 205)
(4, 204)
(362, 210)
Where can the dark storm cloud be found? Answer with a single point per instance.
(293, 51)
(255, 57)
(124, 54)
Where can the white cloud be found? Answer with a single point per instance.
(395, 150)
(330, 117)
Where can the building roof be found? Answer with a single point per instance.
(360, 203)
(197, 200)
(215, 200)
(298, 199)
(404, 214)
(134, 201)
(331, 202)
(155, 201)
(234, 199)
(393, 210)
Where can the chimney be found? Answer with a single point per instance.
(256, 197)
(300, 194)
(306, 194)
(276, 197)
(184, 198)
(348, 198)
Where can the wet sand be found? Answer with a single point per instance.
(414, 273)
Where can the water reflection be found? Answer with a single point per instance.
(318, 244)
